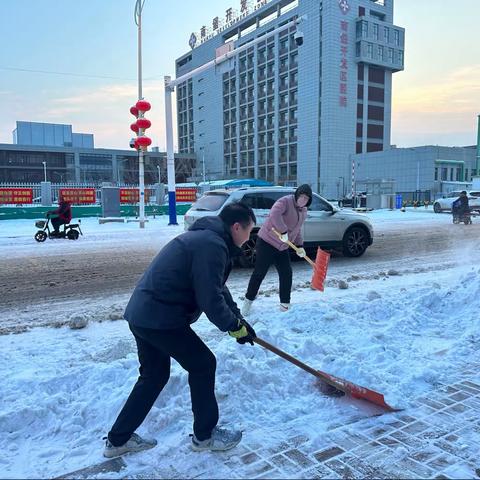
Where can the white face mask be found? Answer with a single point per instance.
(302, 200)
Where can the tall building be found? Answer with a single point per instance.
(285, 112)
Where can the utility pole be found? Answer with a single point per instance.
(141, 164)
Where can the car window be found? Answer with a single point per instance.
(319, 205)
(210, 202)
(266, 200)
(250, 199)
(475, 194)
(453, 194)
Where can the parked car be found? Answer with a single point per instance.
(445, 203)
(326, 226)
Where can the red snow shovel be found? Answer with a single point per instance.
(349, 388)
(320, 265)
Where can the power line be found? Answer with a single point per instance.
(49, 72)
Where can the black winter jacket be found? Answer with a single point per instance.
(186, 278)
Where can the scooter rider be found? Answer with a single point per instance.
(64, 212)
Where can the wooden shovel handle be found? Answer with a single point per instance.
(289, 243)
(296, 362)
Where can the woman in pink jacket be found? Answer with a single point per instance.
(286, 217)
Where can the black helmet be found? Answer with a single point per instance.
(304, 189)
(463, 192)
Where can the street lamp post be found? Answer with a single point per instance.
(44, 171)
(141, 174)
(159, 177)
(170, 87)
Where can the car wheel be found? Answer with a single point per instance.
(355, 242)
(437, 208)
(247, 259)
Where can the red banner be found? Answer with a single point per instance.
(16, 195)
(130, 195)
(186, 194)
(78, 196)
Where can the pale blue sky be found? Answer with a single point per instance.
(436, 98)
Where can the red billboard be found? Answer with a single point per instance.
(78, 196)
(16, 195)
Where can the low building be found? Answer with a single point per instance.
(429, 168)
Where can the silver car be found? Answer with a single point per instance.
(326, 226)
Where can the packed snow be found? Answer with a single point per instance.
(400, 334)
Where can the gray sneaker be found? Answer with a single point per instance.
(135, 444)
(220, 440)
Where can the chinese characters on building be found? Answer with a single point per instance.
(232, 15)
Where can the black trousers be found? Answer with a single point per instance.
(155, 348)
(267, 255)
(57, 222)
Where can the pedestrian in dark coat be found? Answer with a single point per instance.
(287, 217)
(185, 279)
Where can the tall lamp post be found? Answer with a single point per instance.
(159, 176)
(44, 171)
(141, 174)
(170, 87)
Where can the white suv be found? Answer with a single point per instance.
(445, 203)
(325, 226)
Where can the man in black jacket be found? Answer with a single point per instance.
(185, 279)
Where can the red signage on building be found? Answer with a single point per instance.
(186, 194)
(78, 196)
(16, 195)
(130, 195)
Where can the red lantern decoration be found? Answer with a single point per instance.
(134, 127)
(134, 111)
(144, 123)
(143, 106)
(143, 142)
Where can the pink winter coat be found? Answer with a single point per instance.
(284, 216)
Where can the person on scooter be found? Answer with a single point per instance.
(64, 215)
(460, 206)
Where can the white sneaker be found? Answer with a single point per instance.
(284, 307)
(246, 307)
(135, 444)
(220, 440)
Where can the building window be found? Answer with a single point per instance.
(376, 94)
(360, 73)
(390, 55)
(376, 75)
(436, 173)
(370, 50)
(375, 31)
(386, 34)
(364, 29)
(358, 147)
(375, 113)
(380, 52)
(444, 173)
(375, 131)
(396, 37)
(400, 57)
(466, 175)
(359, 130)
(360, 110)
(374, 147)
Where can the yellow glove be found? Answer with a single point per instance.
(301, 252)
(244, 334)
